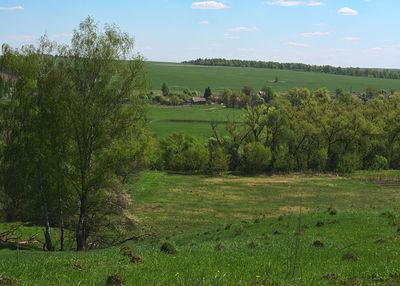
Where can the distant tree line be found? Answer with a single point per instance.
(362, 72)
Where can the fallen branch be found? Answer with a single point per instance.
(10, 235)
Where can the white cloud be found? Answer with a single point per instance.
(315, 4)
(347, 11)
(204, 22)
(244, 29)
(62, 35)
(293, 3)
(213, 5)
(285, 3)
(231, 37)
(11, 8)
(350, 38)
(389, 51)
(385, 48)
(312, 34)
(246, 49)
(337, 50)
(294, 44)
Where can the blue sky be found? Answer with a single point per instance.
(361, 33)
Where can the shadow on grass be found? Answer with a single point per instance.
(15, 246)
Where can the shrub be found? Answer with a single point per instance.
(252, 245)
(168, 248)
(165, 89)
(318, 160)
(332, 211)
(350, 257)
(181, 152)
(379, 163)
(219, 161)
(348, 163)
(281, 158)
(136, 258)
(7, 280)
(115, 279)
(318, 243)
(256, 158)
(195, 158)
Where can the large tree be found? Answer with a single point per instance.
(33, 131)
(104, 72)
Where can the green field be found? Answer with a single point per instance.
(181, 76)
(191, 120)
(232, 230)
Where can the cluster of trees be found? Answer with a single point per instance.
(363, 72)
(71, 131)
(246, 96)
(175, 98)
(300, 131)
(171, 98)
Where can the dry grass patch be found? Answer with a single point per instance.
(198, 211)
(256, 180)
(353, 195)
(299, 195)
(294, 209)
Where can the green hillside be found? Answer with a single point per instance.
(181, 76)
(233, 230)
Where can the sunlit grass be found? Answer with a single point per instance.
(194, 77)
(232, 230)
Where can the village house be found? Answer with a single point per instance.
(198, 100)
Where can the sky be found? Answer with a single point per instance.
(357, 33)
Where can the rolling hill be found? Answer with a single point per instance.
(181, 76)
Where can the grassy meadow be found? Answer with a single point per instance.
(181, 76)
(192, 120)
(231, 230)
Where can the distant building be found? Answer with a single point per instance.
(357, 95)
(198, 100)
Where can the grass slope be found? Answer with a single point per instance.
(191, 120)
(180, 76)
(248, 253)
(241, 231)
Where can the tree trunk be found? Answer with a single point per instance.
(47, 236)
(62, 234)
(62, 238)
(80, 233)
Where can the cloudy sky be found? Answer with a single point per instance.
(361, 33)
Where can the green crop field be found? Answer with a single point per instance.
(229, 230)
(181, 76)
(191, 120)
